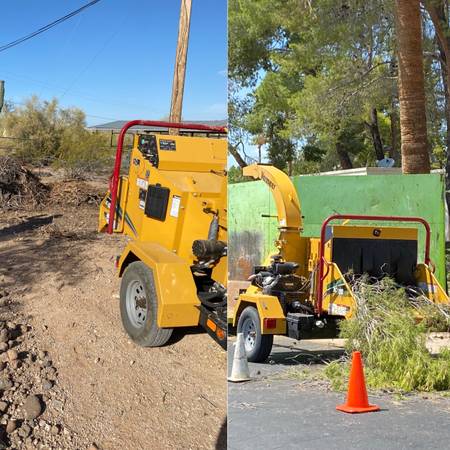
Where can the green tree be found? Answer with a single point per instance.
(235, 175)
(46, 133)
(313, 70)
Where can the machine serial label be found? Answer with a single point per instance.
(175, 208)
(167, 144)
(143, 184)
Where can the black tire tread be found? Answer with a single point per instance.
(264, 342)
(151, 335)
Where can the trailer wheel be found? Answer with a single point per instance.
(139, 307)
(257, 345)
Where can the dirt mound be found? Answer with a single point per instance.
(74, 193)
(19, 186)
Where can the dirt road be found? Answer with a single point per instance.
(117, 395)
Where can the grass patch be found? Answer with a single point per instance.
(387, 330)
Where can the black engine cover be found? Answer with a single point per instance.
(288, 283)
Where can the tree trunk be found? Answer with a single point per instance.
(344, 158)
(413, 127)
(375, 133)
(236, 155)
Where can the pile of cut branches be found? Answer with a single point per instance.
(19, 186)
(390, 328)
(74, 193)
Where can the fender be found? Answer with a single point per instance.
(430, 285)
(178, 305)
(268, 307)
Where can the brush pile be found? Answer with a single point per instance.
(19, 187)
(74, 193)
(390, 329)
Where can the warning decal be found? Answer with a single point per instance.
(174, 209)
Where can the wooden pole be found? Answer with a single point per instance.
(176, 105)
(2, 94)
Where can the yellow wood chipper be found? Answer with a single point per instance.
(172, 205)
(305, 289)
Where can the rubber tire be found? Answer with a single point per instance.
(150, 335)
(263, 342)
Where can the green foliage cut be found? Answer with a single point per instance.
(388, 332)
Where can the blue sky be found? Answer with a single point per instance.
(115, 60)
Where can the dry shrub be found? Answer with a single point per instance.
(19, 186)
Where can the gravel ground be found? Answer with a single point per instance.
(94, 387)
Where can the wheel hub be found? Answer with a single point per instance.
(249, 331)
(136, 302)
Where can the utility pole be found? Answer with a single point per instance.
(2, 94)
(176, 105)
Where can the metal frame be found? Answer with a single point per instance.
(114, 183)
(322, 261)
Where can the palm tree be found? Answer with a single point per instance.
(413, 126)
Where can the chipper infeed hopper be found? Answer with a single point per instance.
(306, 288)
(172, 205)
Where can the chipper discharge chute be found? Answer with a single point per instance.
(172, 205)
(306, 288)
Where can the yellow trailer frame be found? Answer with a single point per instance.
(173, 194)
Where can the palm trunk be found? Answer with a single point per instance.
(413, 127)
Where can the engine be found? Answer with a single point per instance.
(280, 280)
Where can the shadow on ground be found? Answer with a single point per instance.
(293, 357)
(28, 255)
(221, 442)
(179, 333)
(29, 224)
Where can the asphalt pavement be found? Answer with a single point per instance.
(271, 412)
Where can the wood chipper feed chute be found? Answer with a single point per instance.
(306, 289)
(351, 251)
(172, 204)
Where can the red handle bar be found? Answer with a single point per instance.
(321, 277)
(147, 123)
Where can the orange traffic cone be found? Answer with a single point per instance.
(357, 400)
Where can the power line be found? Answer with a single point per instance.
(80, 94)
(47, 27)
(86, 114)
(89, 64)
